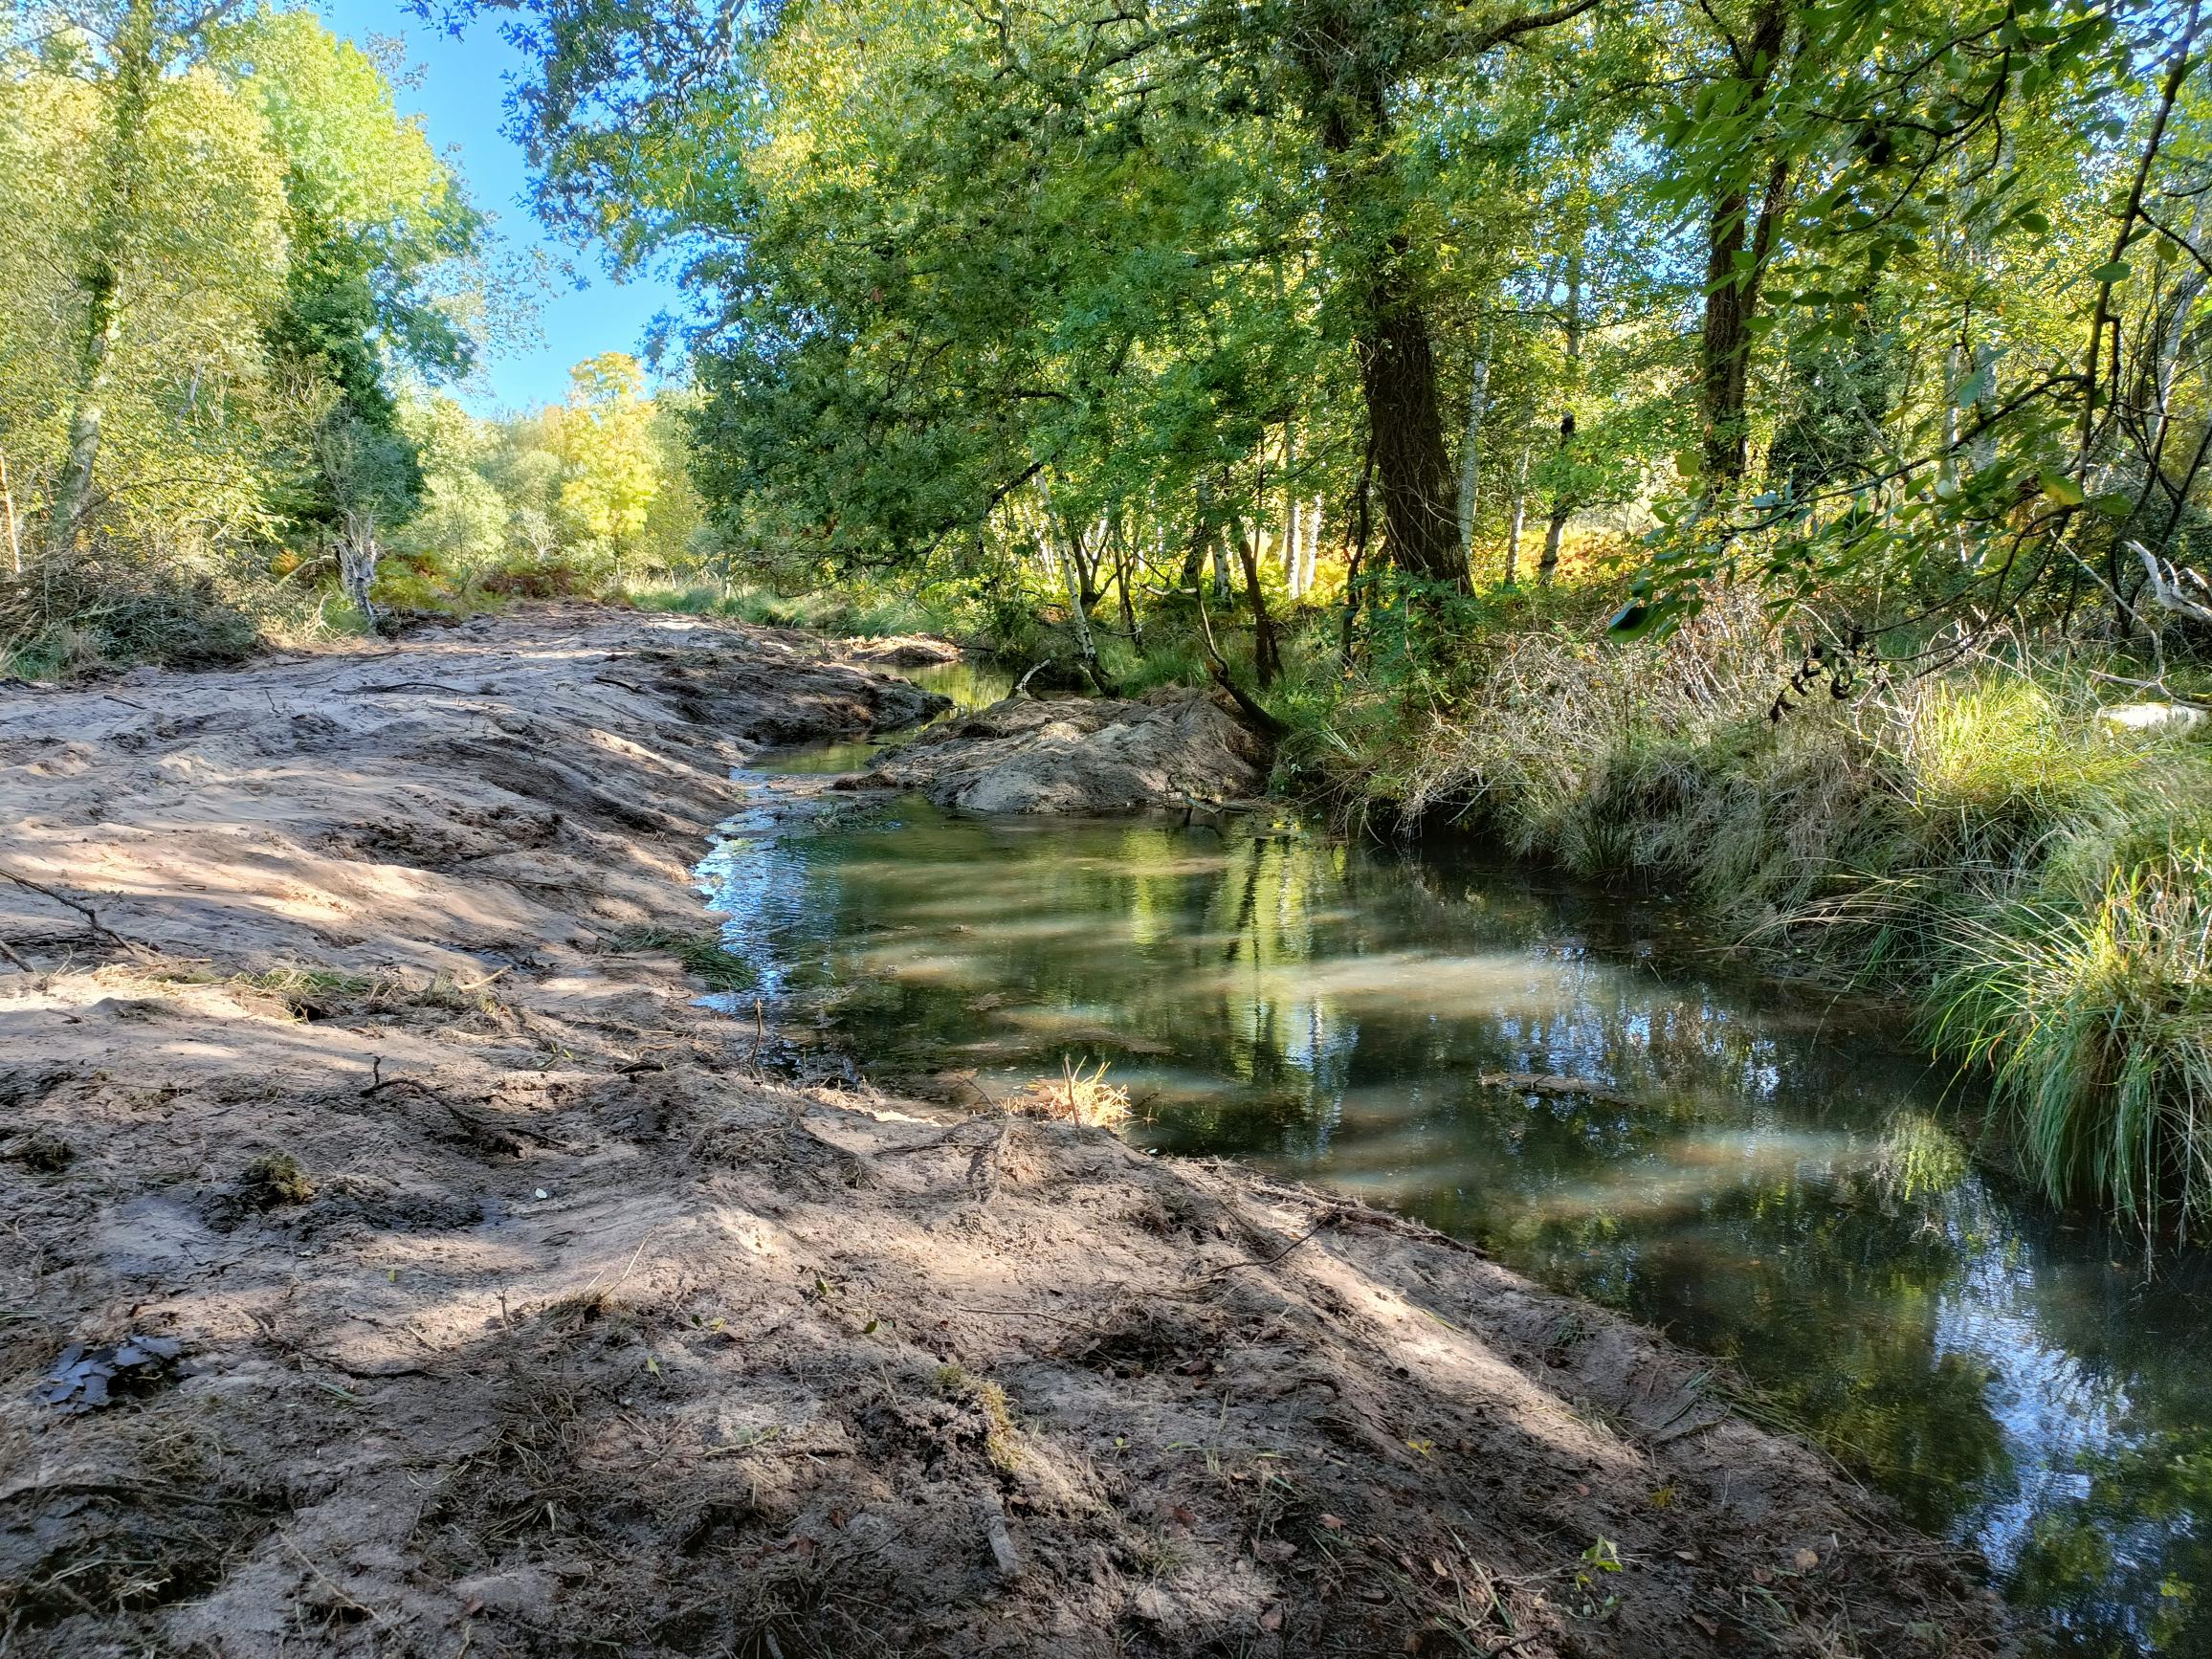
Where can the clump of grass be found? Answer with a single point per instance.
(957, 1383)
(1992, 760)
(276, 1179)
(1075, 1098)
(703, 951)
(2096, 1025)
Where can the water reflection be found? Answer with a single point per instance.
(1760, 1178)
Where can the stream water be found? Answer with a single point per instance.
(1784, 1192)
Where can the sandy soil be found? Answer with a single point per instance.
(513, 1314)
(1082, 756)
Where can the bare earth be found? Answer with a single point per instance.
(559, 1333)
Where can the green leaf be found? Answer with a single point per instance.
(2060, 488)
(2117, 272)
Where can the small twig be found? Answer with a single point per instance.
(90, 914)
(9, 951)
(1270, 1261)
(760, 1035)
(1022, 685)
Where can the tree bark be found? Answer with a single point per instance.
(1562, 498)
(1267, 661)
(1521, 508)
(1470, 447)
(1390, 330)
(1732, 289)
(1398, 373)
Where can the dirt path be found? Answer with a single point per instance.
(496, 1307)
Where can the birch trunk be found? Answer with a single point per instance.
(135, 80)
(1521, 508)
(1471, 446)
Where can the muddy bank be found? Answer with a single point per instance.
(512, 1310)
(1080, 757)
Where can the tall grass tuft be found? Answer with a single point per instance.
(2096, 1026)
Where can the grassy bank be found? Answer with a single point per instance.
(1984, 841)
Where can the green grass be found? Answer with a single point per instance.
(857, 615)
(701, 950)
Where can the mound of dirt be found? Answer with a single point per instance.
(901, 651)
(496, 1304)
(1082, 757)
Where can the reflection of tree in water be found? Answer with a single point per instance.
(1828, 1297)
(1770, 1194)
(2120, 1564)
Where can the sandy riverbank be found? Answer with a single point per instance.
(515, 1314)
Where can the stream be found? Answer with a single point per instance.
(1778, 1183)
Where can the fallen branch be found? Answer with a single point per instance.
(99, 929)
(1274, 728)
(1544, 1083)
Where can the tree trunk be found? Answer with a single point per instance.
(102, 280)
(1062, 550)
(1122, 563)
(357, 559)
(1562, 498)
(1471, 446)
(1310, 554)
(1389, 329)
(1521, 508)
(1731, 293)
(1398, 373)
(7, 506)
(1267, 661)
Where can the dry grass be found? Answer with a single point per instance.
(1075, 1098)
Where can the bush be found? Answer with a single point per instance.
(57, 620)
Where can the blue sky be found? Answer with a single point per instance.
(461, 97)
